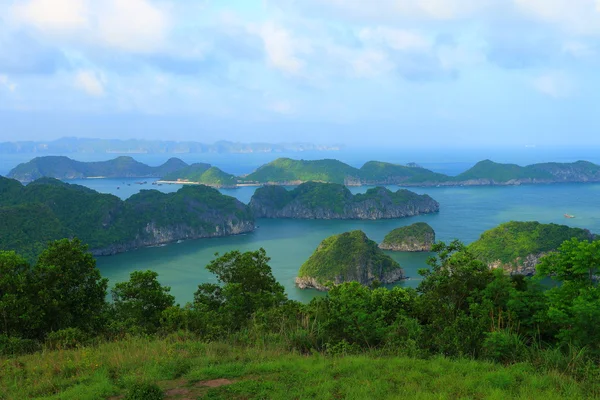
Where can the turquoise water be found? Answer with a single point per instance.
(465, 212)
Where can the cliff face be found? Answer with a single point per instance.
(521, 266)
(413, 238)
(377, 203)
(152, 235)
(347, 257)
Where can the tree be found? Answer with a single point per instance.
(246, 285)
(139, 302)
(16, 307)
(67, 288)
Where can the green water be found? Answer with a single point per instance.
(465, 212)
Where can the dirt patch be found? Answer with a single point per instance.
(177, 392)
(215, 383)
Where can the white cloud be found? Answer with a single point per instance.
(371, 63)
(129, 25)
(281, 107)
(282, 49)
(53, 16)
(90, 82)
(578, 17)
(555, 84)
(7, 83)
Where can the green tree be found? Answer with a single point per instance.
(139, 302)
(574, 306)
(16, 308)
(246, 285)
(67, 288)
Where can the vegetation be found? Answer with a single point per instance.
(350, 256)
(331, 200)
(416, 237)
(204, 174)
(48, 209)
(61, 167)
(286, 170)
(466, 331)
(511, 242)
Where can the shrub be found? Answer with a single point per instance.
(12, 346)
(68, 338)
(504, 346)
(144, 391)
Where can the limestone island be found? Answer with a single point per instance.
(317, 200)
(517, 247)
(347, 257)
(415, 237)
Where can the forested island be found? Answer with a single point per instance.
(48, 209)
(347, 257)
(416, 237)
(285, 171)
(315, 200)
(517, 247)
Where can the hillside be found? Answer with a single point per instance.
(204, 174)
(61, 167)
(315, 200)
(48, 209)
(347, 257)
(517, 246)
(288, 171)
(416, 237)
(218, 370)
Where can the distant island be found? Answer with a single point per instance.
(416, 237)
(315, 200)
(48, 209)
(70, 145)
(285, 171)
(517, 246)
(347, 257)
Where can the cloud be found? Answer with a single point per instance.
(281, 48)
(281, 107)
(555, 84)
(581, 17)
(395, 39)
(132, 25)
(90, 82)
(7, 83)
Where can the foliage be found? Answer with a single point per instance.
(140, 302)
(420, 232)
(514, 240)
(285, 170)
(246, 286)
(341, 256)
(144, 391)
(203, 173)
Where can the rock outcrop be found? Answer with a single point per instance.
(413, 238)
(350, 256)
(315, 200)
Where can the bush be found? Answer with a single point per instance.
(68, 338)
(13, 346)
(144, 391)
(504, 346)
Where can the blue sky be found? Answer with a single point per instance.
(380, 72)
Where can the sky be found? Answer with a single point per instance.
(379, 72)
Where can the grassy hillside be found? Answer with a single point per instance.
(382, 172)
(419, 232)
(513, 240)
(190, 369)
(192, 173)
(502, 172)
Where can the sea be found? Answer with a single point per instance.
(465, 212)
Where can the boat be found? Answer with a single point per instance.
(569, 216)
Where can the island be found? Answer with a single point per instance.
(48, 209)
(64, 168)
(315, 200)
(517, 247)
(347, 257)
(412, 238)
(201, 173)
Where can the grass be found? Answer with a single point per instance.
(185, 368)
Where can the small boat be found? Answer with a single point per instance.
(569, 216)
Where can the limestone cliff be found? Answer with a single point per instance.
(350, 256)
(415, 237)
(315, 200)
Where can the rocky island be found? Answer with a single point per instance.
(517, 246)
(315, 200)
(48, 209)
(350, 256)
(416, 237)
(201, 173)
